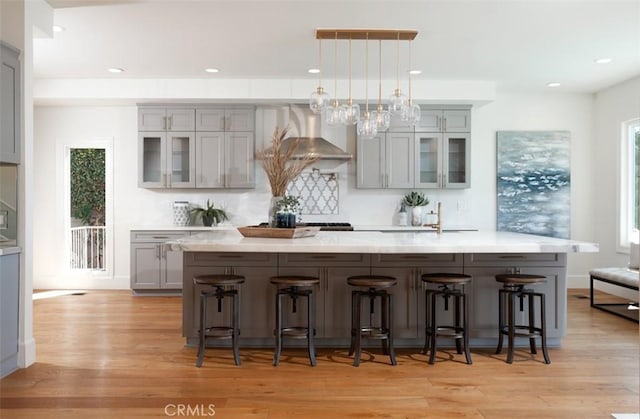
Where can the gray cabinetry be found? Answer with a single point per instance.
(166, 159)
(156, 118)
(154, 266)
(257, 295)
(225, 119)
(333, 295)
(225, 160)
(484, 295)
(189, 147)
(443, 160)
(444, 120)
(386, 161)
(9, 104)
(409, 308)
(9, 298)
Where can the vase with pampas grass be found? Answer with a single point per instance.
(281, 167)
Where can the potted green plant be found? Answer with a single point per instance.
(288, 208)
(210, 214)
(415, 200)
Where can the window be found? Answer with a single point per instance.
(630, 183)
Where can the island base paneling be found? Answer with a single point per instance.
(333, 294)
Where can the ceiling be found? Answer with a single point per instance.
(517, 44)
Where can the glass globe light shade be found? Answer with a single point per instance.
(397, 101)
(382, 118)
(367, 126)
(333, 114)
(411, 114)
(319, 100)
(350, 113)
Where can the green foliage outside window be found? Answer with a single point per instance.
(87, 185)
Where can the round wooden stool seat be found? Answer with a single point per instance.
(216, 280)
(446, 278)
(372, 281)
(295, 281)
(520, 279)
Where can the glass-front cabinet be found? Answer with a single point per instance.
(442, 160)
(167, 159)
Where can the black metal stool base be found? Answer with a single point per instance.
(384, 332)
(512, 330)
(219, 332)
(457, 331)
(297, 332)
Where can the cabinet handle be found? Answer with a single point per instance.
(227, 123)
(157, 251)
(439, 180)
(444, 180)
(160, 237)
(444, 124)
(322, 257)
(439, 122)
(164, 122)
(222, 123)
(170, 122)
(511, 257)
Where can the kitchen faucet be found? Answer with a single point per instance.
(438, 224)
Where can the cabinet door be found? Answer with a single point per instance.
(257, 297)
(430, 120)
(9, 298)
(210, 119)
(181, 119)
(10, 105)
(456, 161)
(371, 162)
(181, 159)
(428, 162)
(336, 297)
(152, 119)
(239, 161)
(145, 265)
(400, 160)
(405, 301)
(172, 270)
(152, 159)
(239, 120)
(210, 152)
(555, 291)
(300, 317)
(456, 121)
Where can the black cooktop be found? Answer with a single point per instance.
(325, 226)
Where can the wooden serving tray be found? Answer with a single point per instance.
(278, 233)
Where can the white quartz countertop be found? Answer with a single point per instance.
(383, 242)
(8, 249)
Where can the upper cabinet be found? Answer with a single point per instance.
(9, 104)
(444, 120)
(386, 161)
(196, 147)
(220, 119)
(433, 154)
(166, 119)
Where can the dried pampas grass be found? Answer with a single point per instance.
(278, 164)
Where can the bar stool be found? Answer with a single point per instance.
(514, 287)
(295, 287)
(371, 287)
(459, 329)
(217, 286)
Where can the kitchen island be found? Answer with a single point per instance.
(334, 256)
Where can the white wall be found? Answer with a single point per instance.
(613, 106)
(135, 207)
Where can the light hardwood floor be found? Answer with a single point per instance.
(109, 354)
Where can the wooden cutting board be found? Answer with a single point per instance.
(278, 233)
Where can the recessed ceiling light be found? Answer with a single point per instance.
(212, 70)
(115, 70)
(553, 84)
(314, 70)
(58, 28)
(604, 60)
(415, 72)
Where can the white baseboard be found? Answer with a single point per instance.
(26, 353)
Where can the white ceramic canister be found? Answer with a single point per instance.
(181, 213)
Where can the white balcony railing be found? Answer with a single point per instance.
(87, 247)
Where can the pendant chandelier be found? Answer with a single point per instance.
(368, 123)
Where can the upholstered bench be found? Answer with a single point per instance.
(620, 277)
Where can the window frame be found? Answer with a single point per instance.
(628, 184)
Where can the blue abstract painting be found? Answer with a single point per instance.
(534, 182)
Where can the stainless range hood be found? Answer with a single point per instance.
(310, 142)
